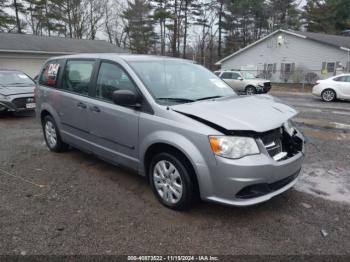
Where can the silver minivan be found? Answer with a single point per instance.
(175, 123)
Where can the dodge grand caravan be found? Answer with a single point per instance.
(175, 123)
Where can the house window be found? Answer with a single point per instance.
(269, 68)
(288, 68)
(330, 67)
(347, 67)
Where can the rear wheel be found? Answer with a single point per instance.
(250, 90)
(172, 181)
(52, 137)
(328, 95)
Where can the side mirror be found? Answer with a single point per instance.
(126, 98)
(239, 78)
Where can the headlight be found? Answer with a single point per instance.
(233, 146)
(261, 84)
(289, 127)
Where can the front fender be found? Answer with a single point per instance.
(189, 149)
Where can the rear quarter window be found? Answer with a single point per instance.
(49, 74)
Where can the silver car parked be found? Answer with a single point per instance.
(175, 123)
(244, 82)
(16, 91)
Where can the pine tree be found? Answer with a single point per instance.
(6, 20)
(139, 26)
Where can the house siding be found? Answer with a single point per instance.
(27, 63)
(307, 56)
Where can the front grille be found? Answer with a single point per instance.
(267, 85)
(272, 141)
(21, 102)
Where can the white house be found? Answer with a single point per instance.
(28, 52)
(293, 56)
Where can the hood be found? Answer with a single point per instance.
(16, 90)
(259, 113)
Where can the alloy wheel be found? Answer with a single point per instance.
(50, 134)
(328, 95)
(250, 91)
(167, 182)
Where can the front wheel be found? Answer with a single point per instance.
(52, 137)
(250, 90)
(328, 95)
(172, 181)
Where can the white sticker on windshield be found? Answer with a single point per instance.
(218, 83)
(22, 76)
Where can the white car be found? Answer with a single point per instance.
(336, 87)
(244, 82)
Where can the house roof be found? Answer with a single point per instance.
(342, 42)
(24, 43)
(335, 40)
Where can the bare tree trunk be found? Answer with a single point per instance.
(174, 42)
(220, 28)
(47, 19)
(18, 22)
(185, 30)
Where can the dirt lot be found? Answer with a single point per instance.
(73, 203)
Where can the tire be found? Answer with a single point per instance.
(250, 90)
(181, 180)
(52, 137)
(328, 95)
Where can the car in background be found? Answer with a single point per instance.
(336, 87)
(244, 82)
(16, 91)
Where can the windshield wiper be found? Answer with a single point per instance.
(208, 97)
(176, 99)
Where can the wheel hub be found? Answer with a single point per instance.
(167, 182)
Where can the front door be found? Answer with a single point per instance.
(114, 128)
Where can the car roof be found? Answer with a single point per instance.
(125, 57)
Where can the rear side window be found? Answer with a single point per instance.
(342, 79)
(235, 76)
(49, 74)
(226, 76)
(77, 75)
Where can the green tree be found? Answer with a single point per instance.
(284, 14)
(6, 21)
(328, 16)
(139, 26)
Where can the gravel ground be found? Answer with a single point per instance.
(73, 203)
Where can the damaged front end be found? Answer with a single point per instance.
(282, 143)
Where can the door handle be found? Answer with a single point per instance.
(81, 105)
(95, 109)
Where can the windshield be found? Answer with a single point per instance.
(248, 75)
(176, 81)
(15, 79)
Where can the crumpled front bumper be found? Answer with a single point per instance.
(17, 103)
(253, 179)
